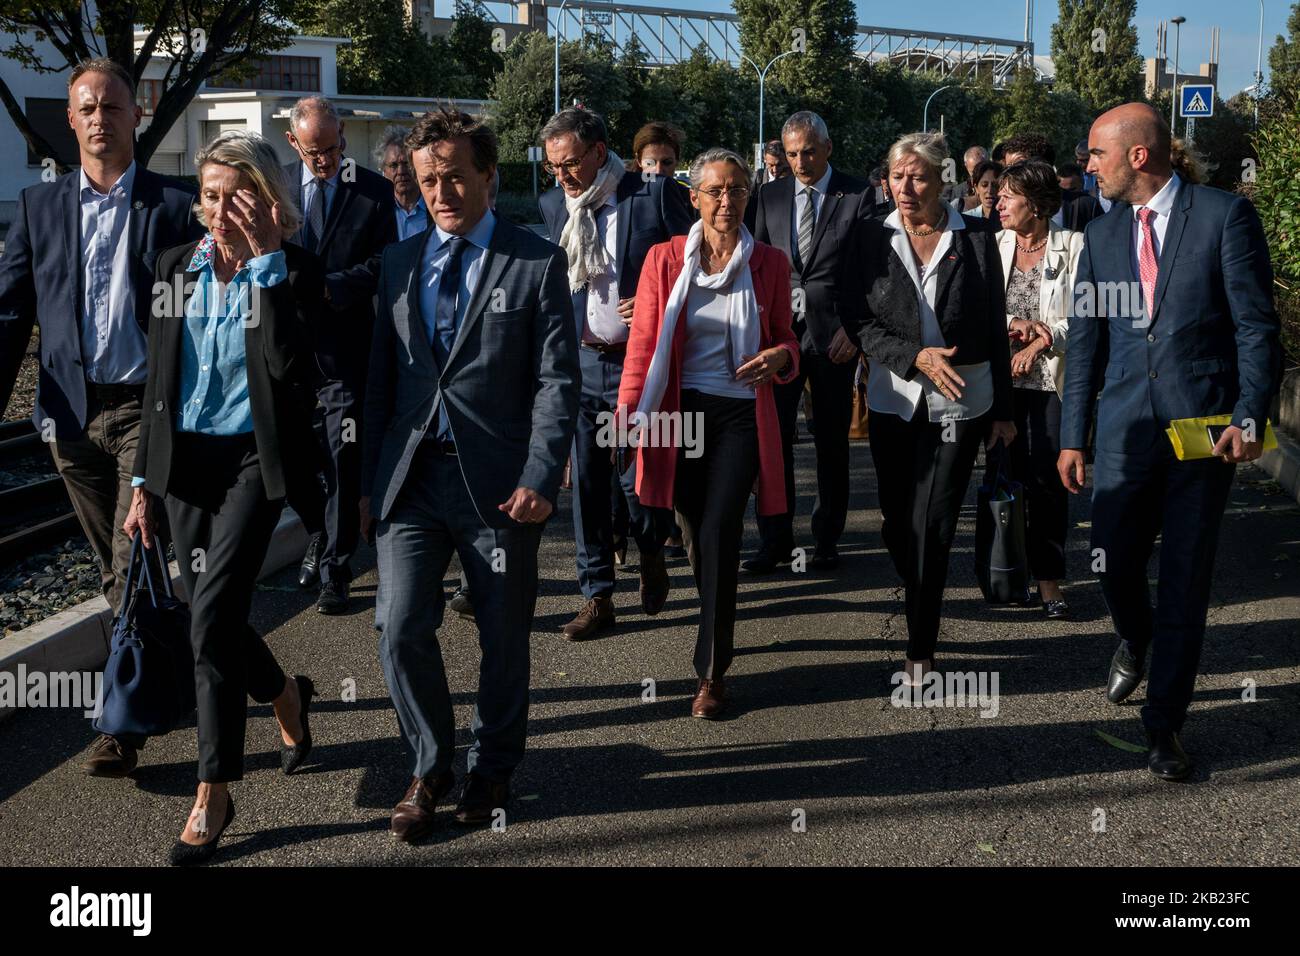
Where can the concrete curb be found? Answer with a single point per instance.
(1283, 463)
(78, 639)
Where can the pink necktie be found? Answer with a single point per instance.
(1147, 269)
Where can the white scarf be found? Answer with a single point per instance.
(743, 328)
(578, 238)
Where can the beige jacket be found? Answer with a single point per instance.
(1060, 264)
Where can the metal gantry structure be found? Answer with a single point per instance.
(670, 36)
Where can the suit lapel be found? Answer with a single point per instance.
(346, 193)
(1007, 252)
(829, 203)
(408, 316)
(623, 217)
(70, 216)
(1169, 251)
(498, 256)
(143, 193)
(948, 265)
(779, 216)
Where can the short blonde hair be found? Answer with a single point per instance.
(253, 156)
(929, 148)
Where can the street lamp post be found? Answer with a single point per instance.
(762, 80)
(1259, 63)
(925, 114)
(1173, 93)
(558, 17)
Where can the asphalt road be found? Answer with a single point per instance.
(816, 766)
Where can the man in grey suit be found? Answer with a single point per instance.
(471, 403)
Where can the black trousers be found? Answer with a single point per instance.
(922, 471)
(1033, 464)
(832, 407)
(710, 493)
(222, 523)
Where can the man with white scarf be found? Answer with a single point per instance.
(606, 219)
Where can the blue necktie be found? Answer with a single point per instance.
(444, 318)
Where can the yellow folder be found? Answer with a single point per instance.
(1191, 437)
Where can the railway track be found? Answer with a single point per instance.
(35, 512)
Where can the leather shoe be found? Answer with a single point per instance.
(710, 699)
(1166, 758)
(1125, 674)
(826, 557)
(654, 583)
(413, 817)
(110, 757)
(192, 854)
(765, 562)
(460, 603)
(333, 598)
(1056, 610)
(292, 757)
(309, 570)
(596, 615)
(482, 797)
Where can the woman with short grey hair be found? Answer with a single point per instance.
(710, 335)
(934, 330)
(226, 351)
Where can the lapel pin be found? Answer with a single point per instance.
(1049, 273)
(137, 205)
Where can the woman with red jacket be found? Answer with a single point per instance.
(710, 333)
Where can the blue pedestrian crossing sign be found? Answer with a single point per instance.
(1197, 101)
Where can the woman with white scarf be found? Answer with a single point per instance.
(710, 334)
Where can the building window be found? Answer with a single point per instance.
(300, 74)
(147, 95)
(49, 117)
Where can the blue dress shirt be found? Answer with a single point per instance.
(436, 253)
(114, 349)
(411, 223)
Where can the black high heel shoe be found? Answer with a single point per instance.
(292, 757)
(190, 854)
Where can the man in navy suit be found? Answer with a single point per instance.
(606, 219)
(1199, 337)
(348, 217)
(78, 262)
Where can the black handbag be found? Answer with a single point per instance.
(148, 684)
(1001, 559)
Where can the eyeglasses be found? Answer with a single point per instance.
(326, 153)
(571, 167)
(735, 193)
(396, 164)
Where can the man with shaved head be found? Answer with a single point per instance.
(1196, 335)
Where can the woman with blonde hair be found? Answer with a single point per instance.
(228, 341)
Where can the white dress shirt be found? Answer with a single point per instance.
(1161, 204)
(706, 360)
(888, 392)
(602, 321)
(114, 349)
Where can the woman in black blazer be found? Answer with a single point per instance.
(934, 330)
(228, 341)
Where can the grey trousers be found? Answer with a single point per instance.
(433, 517)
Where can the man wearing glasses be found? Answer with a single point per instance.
(348, 217)
(606, 219)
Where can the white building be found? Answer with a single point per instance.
(261, 104)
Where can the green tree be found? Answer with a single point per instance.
(713, 103)
(203, 37)
(1095, 51)
(470, 42)
(388, 55)
(1284, 67)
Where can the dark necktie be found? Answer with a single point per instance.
(316, 215)
(444, 315)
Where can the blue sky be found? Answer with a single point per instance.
(1238, 22)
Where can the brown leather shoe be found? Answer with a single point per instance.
(413, 817)
(110, 757)
(710, 699)
(654, 583)
(482, 797)
(596, 615)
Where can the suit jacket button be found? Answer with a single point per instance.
(158, 406)
(1151, 338)
(1153, 374)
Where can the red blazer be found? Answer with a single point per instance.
(657, 467)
